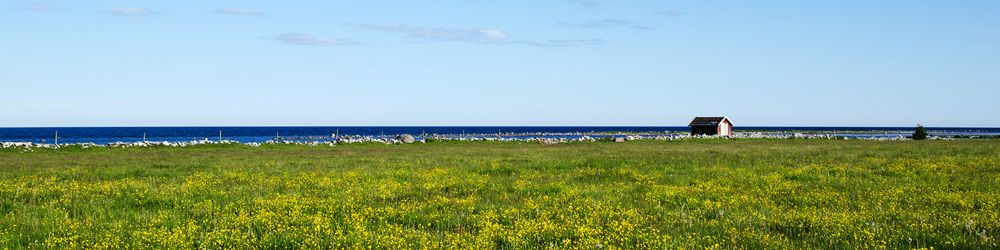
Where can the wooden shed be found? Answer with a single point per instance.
(711, 126)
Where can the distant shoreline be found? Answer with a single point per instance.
(109, 135)
(617, 138)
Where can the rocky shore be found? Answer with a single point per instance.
(509, 137)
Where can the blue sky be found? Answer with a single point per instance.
(517, 62)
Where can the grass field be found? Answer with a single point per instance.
(641, 194)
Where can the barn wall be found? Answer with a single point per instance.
(704, 130)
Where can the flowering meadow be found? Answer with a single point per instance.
(713, 193)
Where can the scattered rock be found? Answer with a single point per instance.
(406, 138)
(619, 139)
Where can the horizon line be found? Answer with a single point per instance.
(481, 126)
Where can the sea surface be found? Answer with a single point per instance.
(104, 135)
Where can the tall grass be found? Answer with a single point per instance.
(639, 194)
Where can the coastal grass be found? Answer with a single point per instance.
(759, 193)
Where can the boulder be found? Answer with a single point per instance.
(406, 138)
(619, 139)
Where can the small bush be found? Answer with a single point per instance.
(920, 133)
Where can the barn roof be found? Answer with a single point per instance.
(708, 121)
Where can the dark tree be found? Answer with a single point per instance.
(920, 133)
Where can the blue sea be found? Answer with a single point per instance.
(103, 135)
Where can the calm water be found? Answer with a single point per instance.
(102, 135)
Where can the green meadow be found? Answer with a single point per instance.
(486, 195)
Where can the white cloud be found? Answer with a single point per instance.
(493, 35)
(239, 12)
(307, 39)
(473, 35)
(441, 34)
(564, 43)
(606, 23)
(130, 12)
(41, 7)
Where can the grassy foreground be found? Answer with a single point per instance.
(704, 194)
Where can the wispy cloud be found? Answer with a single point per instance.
(441, 34)
(606, 23)
(307, 39)
(40, 7)
(130, 12)
(589, 4)
(474, 35)
(563, 43)
(239, 12)
(669, 13)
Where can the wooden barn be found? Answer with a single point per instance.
(711, 126)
